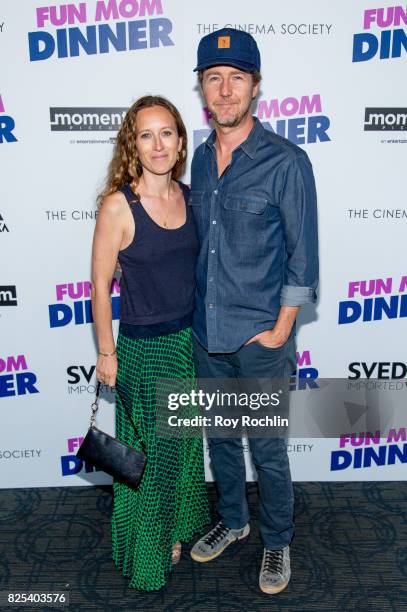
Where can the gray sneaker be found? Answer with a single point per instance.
(275, 570)
(214, 543)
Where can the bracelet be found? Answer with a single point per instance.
(108, 354)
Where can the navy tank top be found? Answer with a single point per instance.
(157, 286)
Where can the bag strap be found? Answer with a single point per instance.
(95, 408)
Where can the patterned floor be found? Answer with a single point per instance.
(349, 553)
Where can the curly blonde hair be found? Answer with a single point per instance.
(125, 166)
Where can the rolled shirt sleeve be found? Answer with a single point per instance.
(298, 207)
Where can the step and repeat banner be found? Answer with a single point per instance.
(334, 82)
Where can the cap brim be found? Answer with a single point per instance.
(226, 62)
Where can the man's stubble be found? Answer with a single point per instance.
(233, 122)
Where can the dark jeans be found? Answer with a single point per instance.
(269, 455)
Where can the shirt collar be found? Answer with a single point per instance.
(249, 146)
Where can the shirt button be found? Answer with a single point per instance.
(211, 279)
(216, 192)
(212, 250)
(213, 222)
(211, 306)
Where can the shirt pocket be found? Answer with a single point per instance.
(246, 223)
(246, 204)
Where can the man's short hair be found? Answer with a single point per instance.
(256, 76)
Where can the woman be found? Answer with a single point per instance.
(145, 224)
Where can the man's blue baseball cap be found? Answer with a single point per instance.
(228, 47)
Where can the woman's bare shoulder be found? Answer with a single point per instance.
(114, 205)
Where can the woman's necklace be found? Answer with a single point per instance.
(164, 223)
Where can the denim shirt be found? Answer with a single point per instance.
(257, 228)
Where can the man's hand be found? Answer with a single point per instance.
(271, 338)
(276, 337)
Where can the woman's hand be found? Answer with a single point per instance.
(106, 370)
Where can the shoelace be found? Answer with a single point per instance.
(216, 534)
(273, 561)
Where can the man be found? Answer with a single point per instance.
(253, 195)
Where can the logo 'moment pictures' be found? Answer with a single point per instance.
(8, 295)
(84, 119)
(127, 34)
(390, 44)
(385, 119)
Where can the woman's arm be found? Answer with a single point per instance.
(107, 241)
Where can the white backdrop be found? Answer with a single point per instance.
(321, 69)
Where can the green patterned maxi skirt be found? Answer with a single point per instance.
(171, 502)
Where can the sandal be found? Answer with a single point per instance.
(176, 553)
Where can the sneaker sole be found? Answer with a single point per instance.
(273, 590)
(200, 559)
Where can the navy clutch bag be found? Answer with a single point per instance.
(120, 460)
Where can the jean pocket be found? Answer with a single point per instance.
(278, 348)
(270, 348)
